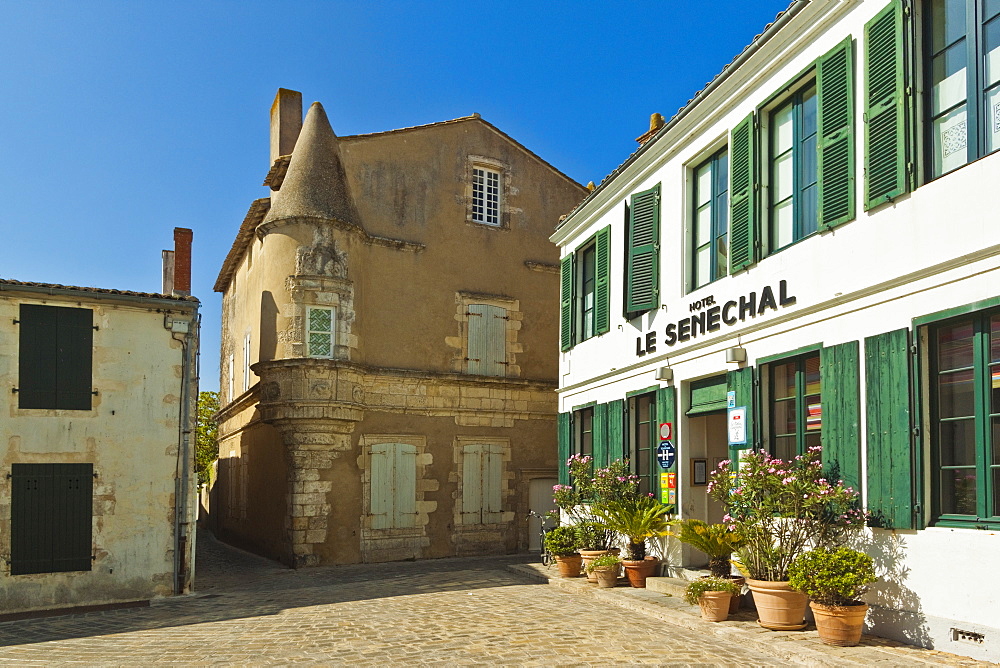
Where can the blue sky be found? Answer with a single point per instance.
(122, 120)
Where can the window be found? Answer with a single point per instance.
(643, 441)
(487, 349)
(55, 357)
(583, 432)
(965, 410)
(486, 196)
(51, 510)
(585, 293)
(794, 187)
(482, 476)
(642, 271)
(964, 70)
(393, 485)
(795, 409)
(246, 362)
(232, 376)
(320, 334)
(711, 220)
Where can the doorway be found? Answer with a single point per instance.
(539, 500)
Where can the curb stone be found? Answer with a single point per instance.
(798, 647)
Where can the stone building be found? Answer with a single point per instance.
(97, 502)
(389, 344)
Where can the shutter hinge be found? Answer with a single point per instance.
(909, 167)
(915, 432)
(95, 475)
(97, 328)
(916, 509)
(913, 348)
(502, 317)
(476, 314)
(13, 390)
(504, 363)
(16, 321)
(471, 359)
(94, 392)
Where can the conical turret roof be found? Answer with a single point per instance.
(315, 184)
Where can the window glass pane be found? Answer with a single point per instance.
(996, 492)
(948, 71)
(783, 183)
(722, 171)
(812, 375)
(784, 448)
(955, 346)
(809, 112)
(947, 22)
(320, 319)
(319, 345)
(782, 130)
(721, 256)
(783, 225)
(813, 439)
(958, 443)
(783, 381)
(703, 184)
(958, 491)
(703, 225)
(810, 210)
(784, 417)
(995, 337)
(993, 118)
(704, 265)
(991, 8)
(814, 413)
(994, 377)
(950, 141)
(991, 35)
(996, 447)
(955, 394)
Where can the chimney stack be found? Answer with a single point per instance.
(655, 123)
(168, 272)
(182, 262)
(286, 122)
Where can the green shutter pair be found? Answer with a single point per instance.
(835, 93)
(602, 290)
(642, 269)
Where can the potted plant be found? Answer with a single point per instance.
(562, 543)
(834, 580)
(712, 594)
(594, 542)
(780, 510)
(637, 518)
(606, 569)
(717, 541)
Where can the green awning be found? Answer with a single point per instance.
(708, 395)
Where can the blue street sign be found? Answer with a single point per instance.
(666, 454)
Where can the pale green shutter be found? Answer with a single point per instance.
(492, 483)
(890, 461)
(566, 302)
(478, 346)
(742, 197)
(600, 434)
(563, 451)
(616, 434)
(602, 296)
(488, 329)
(643, 278)
(841, 412)
(472, 484)
(405, 478)
(885, 107)
(380, 485)
(835, 93)
(741, 382)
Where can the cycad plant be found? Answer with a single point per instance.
(637, 518)
(715, 540)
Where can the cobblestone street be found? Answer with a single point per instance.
(456, 611)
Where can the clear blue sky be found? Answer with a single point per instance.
(122, 120)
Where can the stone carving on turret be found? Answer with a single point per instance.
(321, 258)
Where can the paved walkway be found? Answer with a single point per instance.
(249, 611)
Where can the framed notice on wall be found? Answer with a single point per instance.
(699, 471)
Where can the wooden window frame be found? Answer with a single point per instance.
(332, 333)
(487, 207)
(719, 226)
(802, 227)
(649, 482)
(798, 399)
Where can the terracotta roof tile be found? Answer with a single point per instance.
(99, 291)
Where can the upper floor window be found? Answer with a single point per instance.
(642, 270)
(55, 357)
(486, 196)
(585, 291)
(487, 346)
(964, 69)
(711, 220)
(246, 362)
(794, 181)
(320, 337)
(794, 406)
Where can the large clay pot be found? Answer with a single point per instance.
(840, 625)
(606, 577)
(589, 556)
(779, 607)
(715, 605)
(569, 566)
(638, 571)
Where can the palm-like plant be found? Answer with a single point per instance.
(637, 518)
(715, 540)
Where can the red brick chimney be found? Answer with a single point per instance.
(182, 261)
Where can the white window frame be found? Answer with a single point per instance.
(246, 362)
(487, 193)
(332, 333)
(232, 376)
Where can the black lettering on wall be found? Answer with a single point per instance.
(767, 300)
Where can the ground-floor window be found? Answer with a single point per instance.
(642, 440)
(393, 485)
(965, 411)
(796, 415)
(583, 432)
(482, 478)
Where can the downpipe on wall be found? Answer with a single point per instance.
(182, 475)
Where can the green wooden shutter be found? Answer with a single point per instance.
(666, 411)
(563, 452)
(600, 436)
(885, 107)
(380, 485)
(616, 432)
(566, 302)
(741, 382)
(890, 461)
(841, 411)
(602, 297)
(643, 291)
(51, 518)
(37, 358)
(405, 488)
(742, 197)
(835, 93)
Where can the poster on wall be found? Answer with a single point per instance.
(738, 426)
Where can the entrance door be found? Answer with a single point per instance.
(540, 501)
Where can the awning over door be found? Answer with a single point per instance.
(708, 395)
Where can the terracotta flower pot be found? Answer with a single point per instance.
(589, 556)
(638, 571)
(715, 605)
(569, 566)
(839, 625)
(606, 577)
(734, 602)
(779, 607)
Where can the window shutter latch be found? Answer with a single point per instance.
(13, 390)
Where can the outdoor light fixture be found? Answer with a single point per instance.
(665, 373)
(736, 355)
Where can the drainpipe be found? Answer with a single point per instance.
(182, 476)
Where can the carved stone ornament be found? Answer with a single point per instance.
(270, 391)
(321, 258)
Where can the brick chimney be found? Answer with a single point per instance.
(286, 122)
(182, 262)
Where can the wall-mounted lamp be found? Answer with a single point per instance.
(736, 355)
(665, 373)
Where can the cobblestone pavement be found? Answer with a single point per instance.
(442, 612)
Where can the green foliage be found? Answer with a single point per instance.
(590, 488)
(562, 541)
(715, 540)
(696, 588)
(593, 535)
(206, 436)
(832, 577)
(604, 562)
(637, 517)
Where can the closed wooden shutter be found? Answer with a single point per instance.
(890, 492)
(487, 340)
(381, 485)
(741, 381)
(885, 107)
(643, 252)
(492, 483)
(602, 296)
(472, 484)
(742, 196)
(566, 302)
(405, 477)
(835, 93)
(55, 365)
(51, 518)
(600, 435)
(841, 411)
(564, 429)
(616, 432)
(666, 411)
